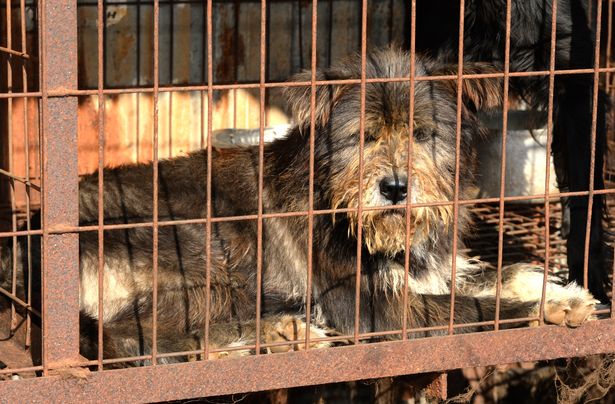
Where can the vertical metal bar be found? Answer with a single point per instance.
(209, 224)
(155, 184)
(12, 194)
(170, 123)
(24, 71)
(60, 206)
(609, 39)
(101, 160)
(236, 39)
(171, 33)
(261, 164)
(267, 94)
(310, 241)
(203, 141)
(457, 155)
(613, 289)
(592, 164)
(330, 41)
(361, 150)
(404, 325)
(610, 82)
(548, 159)
(137, 147)
(498, 284)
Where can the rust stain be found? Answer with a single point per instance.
(233, 53)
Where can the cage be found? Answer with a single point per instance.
(87, 85)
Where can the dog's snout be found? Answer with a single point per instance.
(395, 189)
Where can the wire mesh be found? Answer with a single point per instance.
(505, 231)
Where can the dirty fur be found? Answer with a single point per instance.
(437, 32)
(182, 258)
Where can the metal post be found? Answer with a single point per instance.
(60, 184)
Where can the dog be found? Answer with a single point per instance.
(386, 184)
(530, 46)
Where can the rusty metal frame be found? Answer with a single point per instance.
(58, 96)
(248, 374)
(60, 206)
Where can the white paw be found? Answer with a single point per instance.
(571, 306)
(293, 330)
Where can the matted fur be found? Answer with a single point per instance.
(181, 314)
(574, 122)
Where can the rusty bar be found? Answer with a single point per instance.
(338, 338)
(13, 52)
(155, 184)
(209, 224)
(404, 323)
(613, 289)
(60, 184)
(498, 284)
(236, 56)
(204, 49)
(24, 76)
(261, 168)
(247, 374)
(457, 160)
(609, 36)
(76, 229)
(357, 303)
(592, 164)
(9, 81)
(101, 162)
(14, 177)
(20, 370)
(550, 110)
(611, 81)
(237, 86)
(20, 302)
(310, 216)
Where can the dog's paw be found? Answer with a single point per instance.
(573, 307)
(293, 330)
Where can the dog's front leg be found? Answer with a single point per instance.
(434, 310)
(279, 333)
(564, 304)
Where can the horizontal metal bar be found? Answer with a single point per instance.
(12, 52)
(283, 84)
(20, 179)
(318, 366)
(76, 229)
(20, 302)
(337, 338)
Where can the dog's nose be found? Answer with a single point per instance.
(395, 189)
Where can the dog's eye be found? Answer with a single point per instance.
(424, 135)
(368, 137)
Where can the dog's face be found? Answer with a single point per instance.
(386, 180)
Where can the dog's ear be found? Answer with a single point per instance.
(478, 93)
(326, 97)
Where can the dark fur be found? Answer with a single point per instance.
(530, 43)
(182, 195)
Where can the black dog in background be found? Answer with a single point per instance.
(437, 30)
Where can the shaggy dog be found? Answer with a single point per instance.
(437, 31)
(386, 183)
